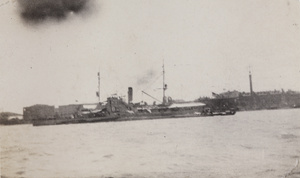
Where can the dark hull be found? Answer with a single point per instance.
(121, 118)
(73, 121)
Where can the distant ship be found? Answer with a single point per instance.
(116, 109)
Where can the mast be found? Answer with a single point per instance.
(164, 85)
(250, 81)
(98, 93)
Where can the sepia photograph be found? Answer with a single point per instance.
(149, 89)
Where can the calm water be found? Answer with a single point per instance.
(248, 144)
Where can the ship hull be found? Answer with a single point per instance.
(120, 118)
(73, 121)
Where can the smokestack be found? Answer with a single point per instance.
(130, 95)
(250, 80)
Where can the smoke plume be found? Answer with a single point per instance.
(37, 11)
(146, 78)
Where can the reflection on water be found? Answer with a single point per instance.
(248, 144)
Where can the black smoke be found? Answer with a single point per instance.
(37, 11)
(148, 77)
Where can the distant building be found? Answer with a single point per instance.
(68, 111)
(228, 94)
(38, 111)
(272, 99)
(78, 110)
(254, 100)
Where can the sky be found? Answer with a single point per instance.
(206, 46)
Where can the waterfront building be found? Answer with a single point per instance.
(38, 111)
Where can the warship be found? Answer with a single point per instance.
(116, 109)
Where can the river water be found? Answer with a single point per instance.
(248, 144)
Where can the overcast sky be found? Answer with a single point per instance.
(207, 46)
